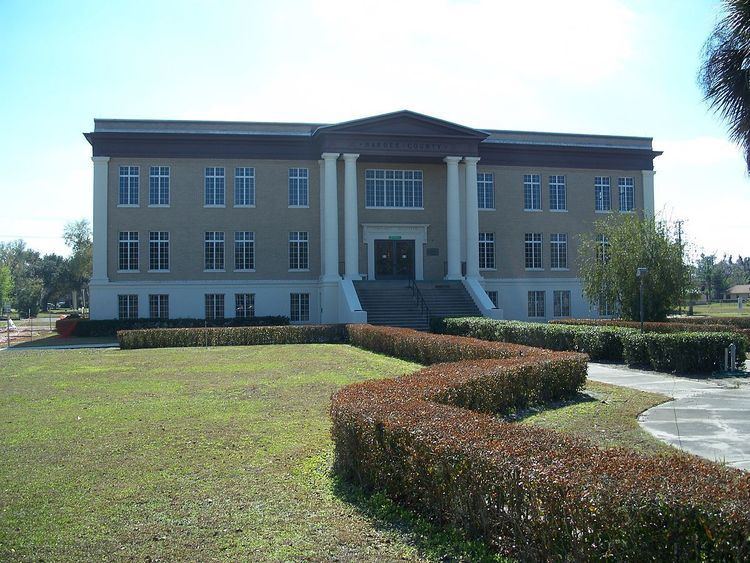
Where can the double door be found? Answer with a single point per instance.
(394, 259)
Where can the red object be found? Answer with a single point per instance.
(65, 327)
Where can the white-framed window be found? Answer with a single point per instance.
(214, 306)
(602, 248)
(536, 304)
(213, 251)
(158, 251)
(215, 189)
(244, 305)
(533, 251)
(558, 197)
(158, 306)
(158, 185)
(395, 189)
(493, 295)
(299, 254)
(299, 187)
(128, 251)
(244, 250)
(560, 303)
(487, 251)
(606, 308)
(558, 243)
(627, 194)
(486, 190)
(244, 187)
(127, 306)
(129, 185)
(299, 307)
(532, 192)
(602, 193)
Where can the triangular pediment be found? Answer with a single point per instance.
(403, 123)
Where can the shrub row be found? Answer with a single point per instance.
(738, 322)
(599, 343)
(109, 327)
(525, 490)
(230, 336)
(682, 352)
(666, 327)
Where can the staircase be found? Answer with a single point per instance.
(393, 303)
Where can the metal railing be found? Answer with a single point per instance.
(420, 300)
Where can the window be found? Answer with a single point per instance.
(244, 187)
(606, 308)
(298, 250)
(486, 190)
(400, 189)
(532, 192)
(558, 251)
(487, 251)
(244, 305)
(158, 251)
(214, 184)
(298, 187)
(561, 303)
(244, 250)
(128, 251)
(627, 194)
(533, 251)
(602, 195)
(602, 248)
(158, 306)
(127, 306)
(493, 297)
(129, 178)
(158, 185)
(214, 306)
(536, 304)
(213, 250)
(299, 305)
(558, 197)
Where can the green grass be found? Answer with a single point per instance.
(199, 454)
(722, 310)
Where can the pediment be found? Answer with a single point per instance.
(402, 123)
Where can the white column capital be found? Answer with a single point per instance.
(349, 157)
(98, 159)
(452, 160)
(472, 159)
(330, 155)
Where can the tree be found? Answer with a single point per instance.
(610, 256)
(6, 286)
(724, 75)
(77, 236)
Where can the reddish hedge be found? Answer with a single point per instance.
(665, 327)
(738, 322)
(531, 492)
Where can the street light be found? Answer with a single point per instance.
(640, 273)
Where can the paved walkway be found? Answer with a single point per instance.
(708, 417)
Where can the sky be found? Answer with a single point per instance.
(622, 67)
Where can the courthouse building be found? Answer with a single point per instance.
(222, 219)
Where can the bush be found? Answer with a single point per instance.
(666, 327)
(738, 322)
(524, 489)
(109, 327)
(685, 352)
(229, 336)
(599, 343)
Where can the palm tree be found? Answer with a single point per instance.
(725, 71)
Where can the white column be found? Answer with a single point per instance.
(472, 218)
(351, 226)
(648, 193)
(331, 213)
(321, 188)
(453, 219)
(101, 174)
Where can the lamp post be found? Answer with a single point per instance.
(640, 273)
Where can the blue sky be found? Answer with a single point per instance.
(591, 66)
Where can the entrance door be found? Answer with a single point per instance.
(394, 259)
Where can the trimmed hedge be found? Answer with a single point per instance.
(109, 327)
(682, 351)
(231, 336)
(531, 492)
(738, 322)
(667, 327)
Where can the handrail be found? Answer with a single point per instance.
(420, 299)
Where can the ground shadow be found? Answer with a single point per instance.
(577, 398)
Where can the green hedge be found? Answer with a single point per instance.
(737, 322)
(230, 336)
(666, 327)
(682, 352)
(109, 327)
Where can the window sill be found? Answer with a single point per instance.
(299, 270)
(558, 210)
(159, 205)
(534, 269)
(244, 206)
(128, 205)
(298, 206)
(245, 271)
(533, 210)
(128, 271)
(628, 211)
(214, 206)
(213, 271)
(487, 209)
(603, 211)
(394, 208)
(488, 269)
(559, 269)
(158, 271)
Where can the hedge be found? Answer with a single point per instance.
(109, 327)
(230, 336)
(529, 492)
(665, 327)
(738, 322)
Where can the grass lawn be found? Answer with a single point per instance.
(216, 454)
(722, 310)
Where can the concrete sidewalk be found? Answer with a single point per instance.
(709, 417)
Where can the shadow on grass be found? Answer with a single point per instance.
(576, 399)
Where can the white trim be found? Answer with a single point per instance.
(533, 210)
(243, 206)
(558, 210)
(128, 271)
(298, 206)
(244, 271)
(158, 271)
(213, 271)
(130, 205)
(382, 231)
(214, 206)
(162, 205)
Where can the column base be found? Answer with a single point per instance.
(453, 277)
(353, 277)
(330, 278)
